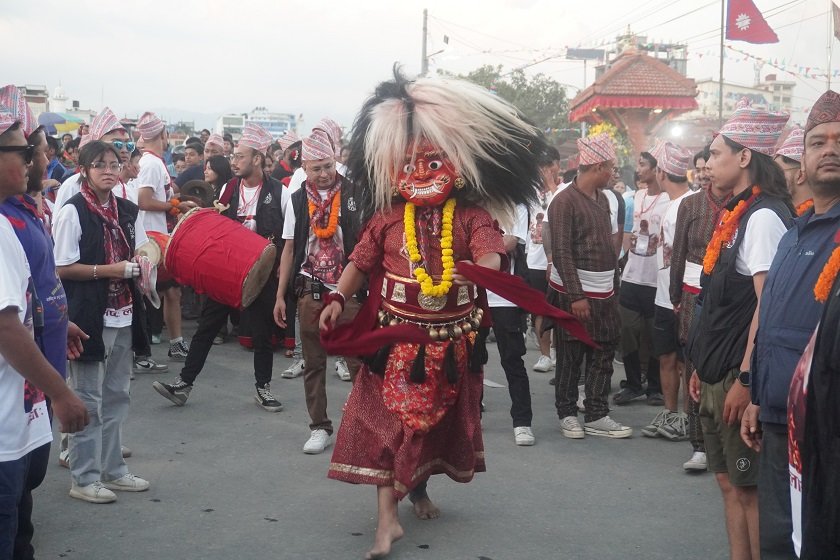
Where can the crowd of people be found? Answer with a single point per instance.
(710, 277)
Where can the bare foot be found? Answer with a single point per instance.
(386, 535)
(424, 508)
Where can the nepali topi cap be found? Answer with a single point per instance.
(317, 146)
(825, 110)
(150, 126)
(793, 146)
(596, 149)
(256, 137)
(15, 103)
(674, 160)
(755, 129)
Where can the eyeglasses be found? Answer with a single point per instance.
(102, 166)
(119, 145)
(26, 151)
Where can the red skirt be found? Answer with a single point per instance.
(401, 435)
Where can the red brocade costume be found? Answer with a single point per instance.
(396, 431)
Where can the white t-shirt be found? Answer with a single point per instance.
(534, 250)
(154, 175)
(520, 231)
(326, 257)
(761, 240)
(648, 212)
(72, 187)
(612, 198)
(24, 421)
(67, 231)
(247, 208)
(663, 252)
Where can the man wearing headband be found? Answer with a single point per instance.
(155, 199)
(720, 341)
(671, 174)
(321, 227)
(582, 281)
(253, 199)
(788, 315)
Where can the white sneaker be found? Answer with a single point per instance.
(524, 436)
(317, 442)
(607, 427)
(543, 364)
(697, 462)
(95, 493)
(127, 483)
(553, 355)
(571, 427)
(294, 370)
(341, 369)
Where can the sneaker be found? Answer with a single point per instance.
(341, 369)
(64, 458)
(553, 355)
(652, 429)
(95, 493)
(148, 365)
(571, 427)
(127, 483)
(178, 391)
(543, 364)
(656, 399)
(627, 395)
(317, 442)
(524, 436)
(178, 352)
(125, 451)
(155, 339)
(607, 427)
(294, 370)
(675, 427)
(218, 340)
(697, 462)
(266, 400)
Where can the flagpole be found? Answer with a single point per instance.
(720, 85)
(830, 42)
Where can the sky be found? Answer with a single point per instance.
(200, 59)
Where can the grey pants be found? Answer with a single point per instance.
(95, 452)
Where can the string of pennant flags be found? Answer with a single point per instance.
(798, 70)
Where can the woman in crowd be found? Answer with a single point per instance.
(96, 235)
(217, 172)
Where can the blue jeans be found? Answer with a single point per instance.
(12, 482)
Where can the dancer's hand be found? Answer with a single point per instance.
(581, 309)
(280, 312)
(751, 428)
(329, 316)
(459, 280)
(694, 386)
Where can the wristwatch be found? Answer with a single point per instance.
(744, 378)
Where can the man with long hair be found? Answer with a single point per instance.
(721, 339)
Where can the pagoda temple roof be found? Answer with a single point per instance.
(636, 81)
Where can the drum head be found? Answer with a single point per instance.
(200, 192)
(259, 275)
(151, 250)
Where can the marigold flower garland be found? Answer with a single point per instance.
(822, 289)
(332, 224)
(725, 231)
(804, 207)
(427, 285)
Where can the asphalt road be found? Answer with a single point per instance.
(229, 481)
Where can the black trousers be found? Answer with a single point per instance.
(35, 472)
(509, 326)
(774, 512)
(214, 315)
(637, 308)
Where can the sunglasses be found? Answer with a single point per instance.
(119, 145)
(26, 151)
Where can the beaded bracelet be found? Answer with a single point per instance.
(335, 295)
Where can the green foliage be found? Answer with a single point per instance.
(540, 98)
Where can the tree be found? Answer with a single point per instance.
(540, 98)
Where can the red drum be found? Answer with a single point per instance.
(217, 256)
(161, 240)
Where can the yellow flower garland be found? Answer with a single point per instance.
(427, 285)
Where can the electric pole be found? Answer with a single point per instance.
(424, 62)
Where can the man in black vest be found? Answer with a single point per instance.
(252, 198)
(720, 342)
(320, 232)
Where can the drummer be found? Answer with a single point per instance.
(155, 199)
(253, 199)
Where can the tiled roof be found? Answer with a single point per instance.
(637, 75)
